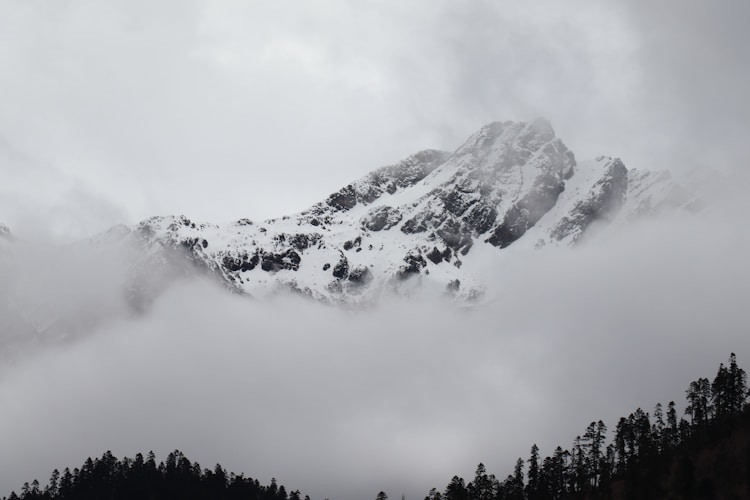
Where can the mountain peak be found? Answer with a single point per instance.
(415, 222)
(543, 128)
(508, 134)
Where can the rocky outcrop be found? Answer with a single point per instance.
(432, 220)
(341, 269)
(603, 202)
(381, 218)
(386, 180)
(426, 213)
(240, 263)
(527, 211)
(272, 262)
(360, 275)
(413, 264)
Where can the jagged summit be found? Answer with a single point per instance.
(4, 231)
(533, 134)
(383, 181)
(415, 223)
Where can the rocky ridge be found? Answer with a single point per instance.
(429, 224)
(414, 224)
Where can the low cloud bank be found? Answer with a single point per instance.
(399, 398)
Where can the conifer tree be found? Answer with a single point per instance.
(658, 427)
(514, 485)
(579, 475)
(434, 495)
(66, 483)
(720, 392)
(699, 396)
(54, 481)
(622, 437)
(533, 486)
(738, 391)
(35, 487)
(671, 431)
(641, 433)
(559, 477)
(484, 486)
(456, 490)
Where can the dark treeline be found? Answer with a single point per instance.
(658, 455)
(108, 478)
(650, 456)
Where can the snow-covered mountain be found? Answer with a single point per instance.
(431, 223)
(414, 224)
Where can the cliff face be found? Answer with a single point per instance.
(423, 224)
(419, 219)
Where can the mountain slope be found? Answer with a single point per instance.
(413, 224)
(430, 224)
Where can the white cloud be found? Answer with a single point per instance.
(210, 109)
(342, 404)
(112, 115)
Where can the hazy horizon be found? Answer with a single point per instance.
(397, 397)
(221, 110)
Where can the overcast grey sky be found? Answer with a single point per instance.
(113, 112)
(401, 397)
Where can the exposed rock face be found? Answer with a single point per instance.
(273, 262)
(380, 218)
(341, 270)
(386, 180)
(360, 275)
(604, 201)
(527, 211)
(507, 176)
(510, 182)
(241, 263)
(414, 263)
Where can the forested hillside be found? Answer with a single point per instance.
(704, 454)
(108, 478)
(657, 455)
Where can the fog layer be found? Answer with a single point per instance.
(401, 397)
(224, 109)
